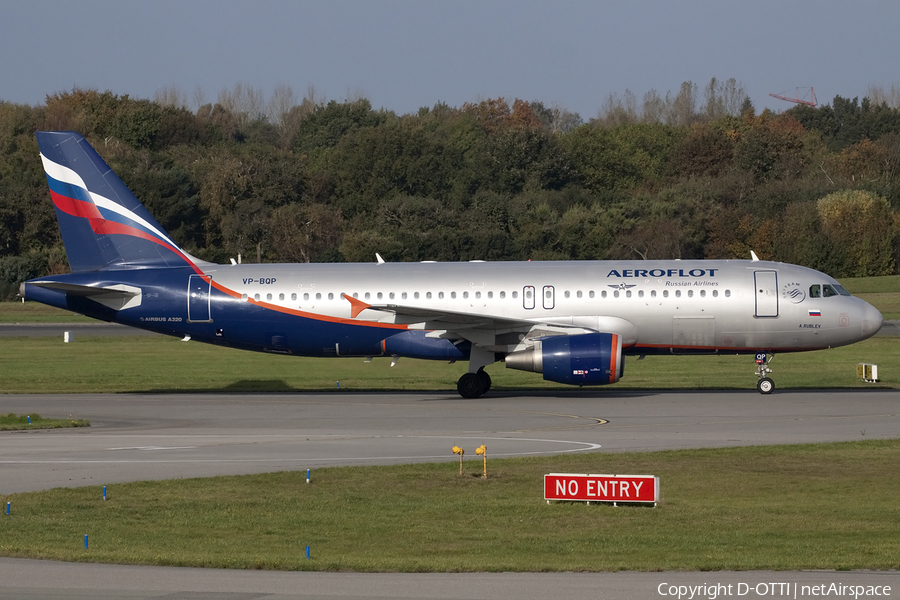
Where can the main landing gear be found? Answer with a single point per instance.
(473, 385)
(476, 382)
(765, 385)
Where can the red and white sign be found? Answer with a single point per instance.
(601, 488)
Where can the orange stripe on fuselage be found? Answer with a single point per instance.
(307, 315)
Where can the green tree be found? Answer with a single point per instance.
(862, 224)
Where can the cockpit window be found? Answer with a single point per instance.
(827, 290)
(840, 290)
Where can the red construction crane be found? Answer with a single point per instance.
(798, 99)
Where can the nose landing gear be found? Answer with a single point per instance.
(765, 385)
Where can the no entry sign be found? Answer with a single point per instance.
(601, 488)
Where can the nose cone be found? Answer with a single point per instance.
(871, 320)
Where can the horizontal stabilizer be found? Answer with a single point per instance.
(116, 297)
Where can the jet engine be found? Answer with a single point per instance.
(583, 359)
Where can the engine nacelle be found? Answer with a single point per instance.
(584, 359)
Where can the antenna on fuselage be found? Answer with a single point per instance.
(379, 259)
(753, 256)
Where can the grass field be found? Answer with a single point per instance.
(164, 364)
(824, 506)
(13, 422)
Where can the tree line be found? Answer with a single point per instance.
(684, 175)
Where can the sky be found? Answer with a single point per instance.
(403, 55)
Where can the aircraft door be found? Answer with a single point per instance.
(766, 292)
(549, 297)
(198, 299)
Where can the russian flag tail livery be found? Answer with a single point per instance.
(103, 225)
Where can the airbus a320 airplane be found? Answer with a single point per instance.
(571, 321)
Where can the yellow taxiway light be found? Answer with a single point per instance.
(482, 451)
(460, 451)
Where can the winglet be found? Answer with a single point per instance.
(356, 305)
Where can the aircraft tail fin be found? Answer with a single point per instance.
(103, 225)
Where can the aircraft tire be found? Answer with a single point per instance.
(485, 380)
(470, 385)
(765, 385)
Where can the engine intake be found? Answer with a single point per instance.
(584, 359)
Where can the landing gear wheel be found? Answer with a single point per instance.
(485, 380)
(470, 385)
(765, 385)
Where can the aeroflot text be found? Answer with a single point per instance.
(662, 273)
(785, 589)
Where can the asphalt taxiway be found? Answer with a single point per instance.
(162, 436)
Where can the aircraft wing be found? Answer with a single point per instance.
(438, 318)
(447, 319)
(492, 332)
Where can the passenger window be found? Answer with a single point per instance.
(703, 293)
(379, 295)
(478, 294)
(453, 295)
(603, 294)
(281, 296)
(403, 296)
(591, 294)
(428, 295)
(728, 293)
(653, 293)
(294, 296)
(515, 295)
(331, 295)
(665, 293)
(318, 296)
(502, 295)
(416, 296)
(440, 295)
(490, 294)
(268, 296)
(678, 293)
(628, 294)
(392, 295)
(244, 297)
(641, 294)
(715, 293)
(305, 297)
(616, 294)
(566, 293)
(256, 297)
(578, 294)
(690, 293)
